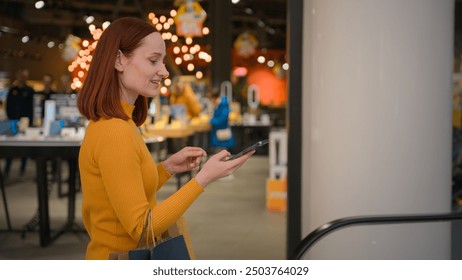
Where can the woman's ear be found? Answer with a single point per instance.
(119, 62)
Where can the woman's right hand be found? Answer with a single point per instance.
(217, 167)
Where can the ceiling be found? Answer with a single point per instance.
(266, 18)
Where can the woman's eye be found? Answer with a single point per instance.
(154, 61)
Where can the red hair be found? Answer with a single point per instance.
(100, 96)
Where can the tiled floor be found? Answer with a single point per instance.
(228, 221)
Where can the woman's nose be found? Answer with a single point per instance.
(164, 72)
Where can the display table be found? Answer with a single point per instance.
(170, 132)
(42, 150)
(247, 134)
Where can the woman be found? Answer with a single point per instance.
(119, 176)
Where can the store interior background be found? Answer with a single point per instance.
(231, 221)
(268, 22)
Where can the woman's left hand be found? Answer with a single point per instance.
(188, 158)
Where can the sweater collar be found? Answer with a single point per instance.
(128, 108)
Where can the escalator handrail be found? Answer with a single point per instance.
(323, 230)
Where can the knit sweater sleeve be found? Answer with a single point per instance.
(163, 175)
(119, 157)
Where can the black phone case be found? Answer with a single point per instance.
(255, 146)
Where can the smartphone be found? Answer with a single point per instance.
(255, 146)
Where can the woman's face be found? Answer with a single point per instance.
(142, 72)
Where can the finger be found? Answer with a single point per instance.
(242, 159)
(195, 153)
(194, 149)
(223, 155)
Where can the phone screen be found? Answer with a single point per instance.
(255, 146)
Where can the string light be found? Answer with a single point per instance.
(183, 52)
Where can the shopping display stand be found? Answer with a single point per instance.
(276, 184)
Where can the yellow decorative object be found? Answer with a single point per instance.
(204, 118)
(189, 19)
(160, 125)
(245, 44)
(176, 124)
(195, 121)
(71, 48)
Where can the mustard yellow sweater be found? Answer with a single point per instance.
(119, 183)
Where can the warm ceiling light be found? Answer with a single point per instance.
(39, 4)
(25, 39)
(205, 30)
(172, 13)
(199, 75)
(188, 41)
(190, 67)
(51, 44)
(261, 59)
(88, 19)
(260, 23)
(106, 24)
(235, 1)
(285, 66)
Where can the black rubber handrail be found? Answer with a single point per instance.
(323, 230)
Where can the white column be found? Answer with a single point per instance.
(377, 124)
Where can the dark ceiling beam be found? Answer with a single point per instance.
(255, 19)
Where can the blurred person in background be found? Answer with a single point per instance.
(221, 136)
(46, 93)
(182, 93)
(19, 104)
